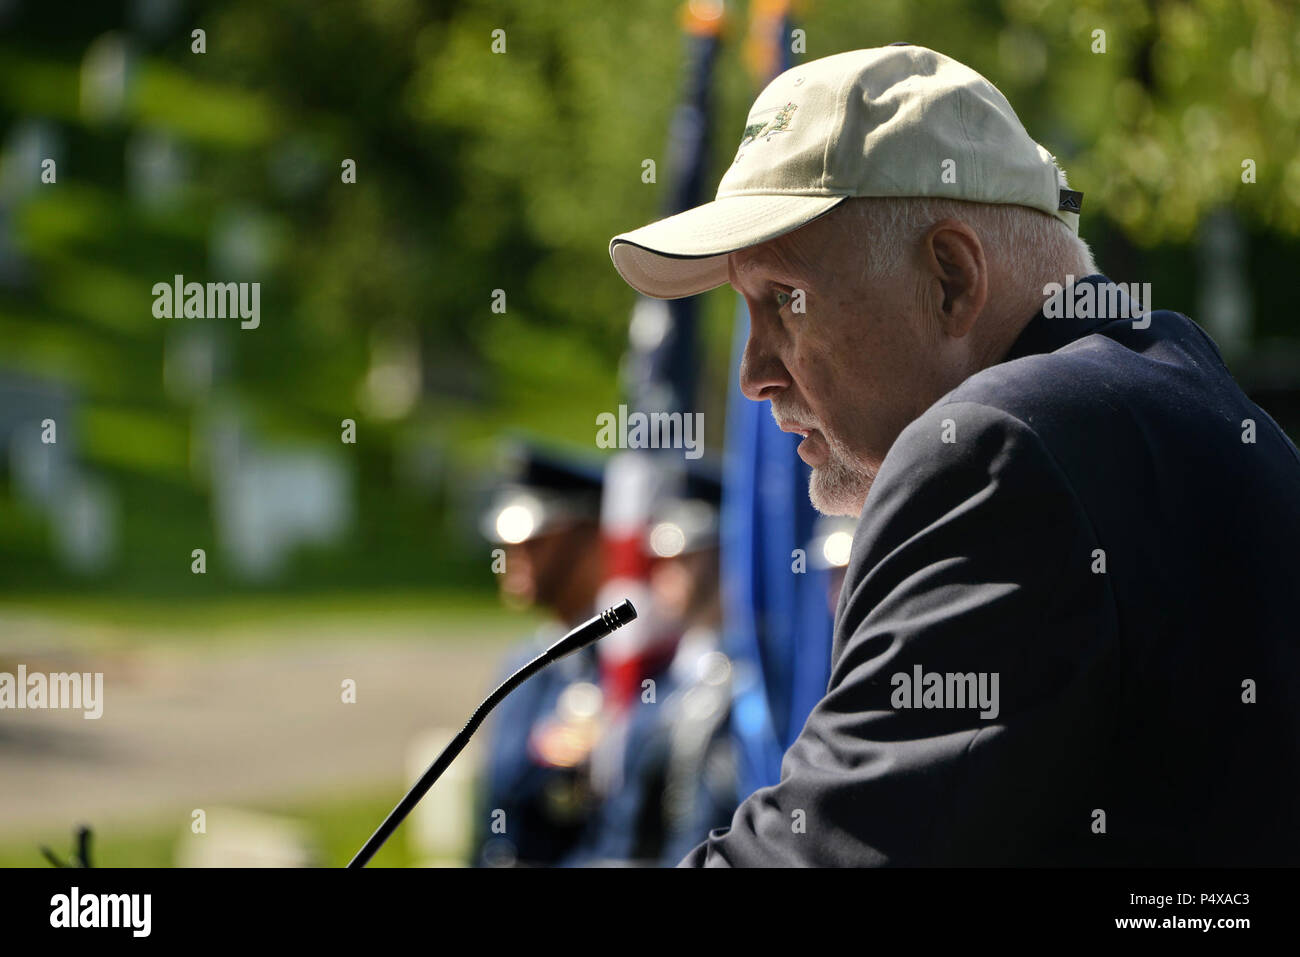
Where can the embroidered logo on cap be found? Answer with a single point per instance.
(766, 129)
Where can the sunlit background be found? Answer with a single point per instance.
(474, 172)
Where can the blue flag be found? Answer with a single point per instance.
(777, 612)
(776, 607)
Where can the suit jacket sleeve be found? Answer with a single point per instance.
(973, 555)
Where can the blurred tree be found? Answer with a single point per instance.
(478, 171)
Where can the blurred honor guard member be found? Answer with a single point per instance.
(699, 776)
(1067, 632)
(535, 802)
(675, 776)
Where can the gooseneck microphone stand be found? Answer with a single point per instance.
(585, 634)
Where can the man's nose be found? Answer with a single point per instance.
(762, 374)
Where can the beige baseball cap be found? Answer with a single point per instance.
(899, 120)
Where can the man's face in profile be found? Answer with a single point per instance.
(852, 369)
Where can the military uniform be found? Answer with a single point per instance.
(535, 798)
(663, 769)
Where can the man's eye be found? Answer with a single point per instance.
(782, 299)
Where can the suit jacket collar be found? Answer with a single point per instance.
(1044, 334)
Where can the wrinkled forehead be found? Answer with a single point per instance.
(802, 254)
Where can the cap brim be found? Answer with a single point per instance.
(687, 254)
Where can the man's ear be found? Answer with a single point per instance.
(954, 257)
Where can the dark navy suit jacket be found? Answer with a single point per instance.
(1112, 528)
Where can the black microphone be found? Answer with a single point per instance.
(585, 634)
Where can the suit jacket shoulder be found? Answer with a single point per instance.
(972, 649)
(1103, 534)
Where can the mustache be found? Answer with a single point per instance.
(793, 411)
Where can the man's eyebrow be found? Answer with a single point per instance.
(739, 273)
(766, 262)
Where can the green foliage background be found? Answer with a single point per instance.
(478, 171)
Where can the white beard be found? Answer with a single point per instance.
(839, 486)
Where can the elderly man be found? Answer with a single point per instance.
(1066, 631)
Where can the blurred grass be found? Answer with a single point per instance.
(337, 828)
(95, 618)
